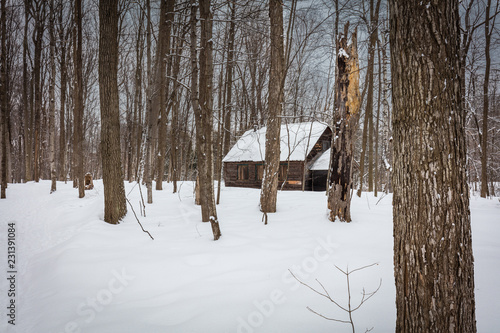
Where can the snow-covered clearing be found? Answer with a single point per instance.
(76, 273)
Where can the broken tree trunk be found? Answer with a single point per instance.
(347, 103)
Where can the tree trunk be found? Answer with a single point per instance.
(433, 259)
(203, 115)
(347, 103)
(62, 110)
(166, 19)
(368, 121)
(52, 101)
(484, 136)
(174, 131)
(138, 126)
(225, 132)
(39, 15)
(269, 189)
(148, 164)
(4, 140)
(28, 155)
(78, 102)
(114, 192)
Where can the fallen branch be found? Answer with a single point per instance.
(138, 219)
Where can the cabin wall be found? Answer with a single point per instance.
(293, 180)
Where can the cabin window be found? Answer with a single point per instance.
(243, 172)
(259, 171)
(326, 144)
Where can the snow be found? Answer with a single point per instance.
(343, 53)
(77, 273)
(322, 162)
(252, 144)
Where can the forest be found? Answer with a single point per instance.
(150, 96)
(40, 66)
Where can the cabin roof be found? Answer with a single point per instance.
(297, 140)
(322, 162)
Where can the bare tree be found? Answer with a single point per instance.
(39, 14)
(269, 190)
(115, 206)
(166, 19)
(346, 113)
(52, 99)
(63, 39)
(201, 98)
(368, 120)
(78, 100)
(484, 137)
(433, 259)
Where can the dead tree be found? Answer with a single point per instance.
(346, 111)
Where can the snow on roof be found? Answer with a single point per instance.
(322, 162)
(301, 136)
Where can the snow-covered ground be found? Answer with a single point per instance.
(76, 273)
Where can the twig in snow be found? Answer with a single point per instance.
(349, 308)
(138, 219)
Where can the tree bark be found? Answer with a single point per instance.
(174, 102)
(4, 140)
(28, 155)
(52, 101)
(203, 115)
(346, 111)
(166, 19)
(114, 192)
(39, 15)
(78, 102)
(62, 121)
(484, 136)
(269, 189)
(148, 164)
(433, 259)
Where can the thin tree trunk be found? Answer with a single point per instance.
(368, 121)
(52, 101)
(484, 136)
(203, 114)
(62, 110)
(39, 15)
(269, 189)
(433, 259)
(166, 19)
(347, 104)
(28, 157)
(228, 98)
(148, 165)
(174, 131)
(377, 123)
(138, 126)
(78, 102)
(114, 192)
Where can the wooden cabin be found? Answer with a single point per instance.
(301, 145)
